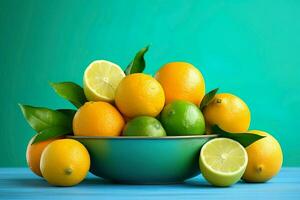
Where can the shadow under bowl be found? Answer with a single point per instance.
(144, 160)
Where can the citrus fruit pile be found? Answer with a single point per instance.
(130, 103)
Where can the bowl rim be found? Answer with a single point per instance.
(143, 137)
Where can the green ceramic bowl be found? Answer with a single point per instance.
(144, 160)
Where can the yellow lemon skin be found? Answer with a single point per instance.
(139, 94)
(264, 158)
(229, 112)
(65, 162)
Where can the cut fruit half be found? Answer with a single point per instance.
(223, 161)
(101, 79)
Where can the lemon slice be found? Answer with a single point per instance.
(223, 161)
(101, 79)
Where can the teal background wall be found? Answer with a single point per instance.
(247, 47)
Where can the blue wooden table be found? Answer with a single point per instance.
(20, 183)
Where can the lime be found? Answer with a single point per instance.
(223, 161)
(144, 126)
(182, 118)
(101, 79)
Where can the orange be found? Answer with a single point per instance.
(97, 119)
(264, 158)
(227, 111)
(181, 81)
(139, 94)
(33, 154)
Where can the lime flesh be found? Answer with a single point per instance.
(223, 161)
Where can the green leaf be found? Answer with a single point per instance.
(52, 132)
(44, 118)
(68, 112)
(245, 139)
(208, 98)
(71, 92)
(138, 64)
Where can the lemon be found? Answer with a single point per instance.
(139, 94)
(101, 79)
(223, 161)
(264, 158)
(65, 162)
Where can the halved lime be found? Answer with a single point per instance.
(101, 79)
(223, 161)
